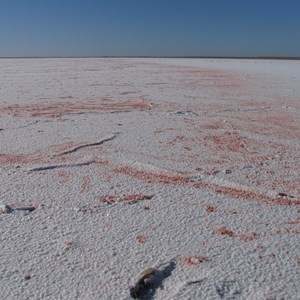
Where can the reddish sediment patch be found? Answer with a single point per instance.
(51, 155)
(248, 237)
(243, 237)
(277, 122)
(64, 176)
(52, 110)
(195, 78)
(297, 259)
(210, 208)
(245, 194)
(224, 231)
(297, 221)
(85, 184)
(141, 239)
(109, 199)
(7, 159)
(237, 193)
(228, 141)
(151, 177)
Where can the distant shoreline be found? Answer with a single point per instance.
(185, 57)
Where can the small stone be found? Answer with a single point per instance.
(227, 171)
(27, 277)
(285, 196)
(5, 209)
(147, 276)
(143, 284)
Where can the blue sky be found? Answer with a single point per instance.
(149, 28)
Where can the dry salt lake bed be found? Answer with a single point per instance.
(149, 179)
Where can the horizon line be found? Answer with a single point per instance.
(145, 56)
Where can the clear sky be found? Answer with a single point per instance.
(149, 28)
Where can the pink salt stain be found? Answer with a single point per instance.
(109, 199)
(224, 231)
(246, 195)
(243, 237)
(286, 231)
(228, 141)
(61, 108)
(59, 149)
(277, 122)
(141, 239)
(187, 148)
(214, 126)
(64, 176)
(150, 177)
(211, 208)
(297, 221)
(297, 259)
(85, 184)
(248, 237)
(13, 159)
(226, 191)
(158, 131)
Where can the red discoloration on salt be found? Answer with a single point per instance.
(59, 149)
(288, 202)
(158, 131)
(85, 184)
(297, 221)
(67, 245)
(109, 199)
(151, 177)
(13, 159)
(141, 239)
(214, 126)
(50, 155)
(238, 193)
(286, 231)
(248, 237)
(224, 231)
(275, 122)
(243, 237)
(194, 260)
(245, 194)
(187, 148)
(195, 78)
(297, 259)
(228, 141)
(64, 176)
(61, 108)
(211, 208)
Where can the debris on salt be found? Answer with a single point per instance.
(5, 209)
